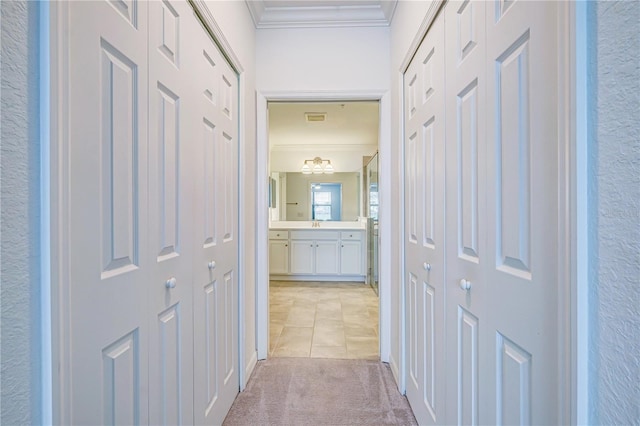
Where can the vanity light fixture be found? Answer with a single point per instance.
(317, 166)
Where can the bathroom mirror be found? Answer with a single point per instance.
(306, 135)
(295, 196)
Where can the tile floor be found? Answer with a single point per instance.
(323, 320)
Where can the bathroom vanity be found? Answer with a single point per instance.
(331, 251)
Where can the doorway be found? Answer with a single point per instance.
(319, 303)
(292, 210)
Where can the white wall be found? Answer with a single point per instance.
(407, 20)
(316, 59)
(236, 24)
(20, 347)
(614, 192)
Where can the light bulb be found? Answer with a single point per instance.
(328, 169)
(306, 170)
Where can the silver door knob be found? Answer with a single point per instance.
(465, 285)
(212, 264)
(426, 266)
(171, 283)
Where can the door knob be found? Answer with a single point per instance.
(465, 285)
(171, 283)
(212, 264)
(426, 266)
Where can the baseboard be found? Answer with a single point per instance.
(395, 370)
(305, 277)
(251, 365)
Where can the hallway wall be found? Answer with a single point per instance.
(322, 59)
(236, 24)
(614, 193)
(20, 349)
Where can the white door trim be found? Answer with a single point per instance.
(262, 213)
(59, 208)
(573, 249)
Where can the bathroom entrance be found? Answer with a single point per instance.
(320, 299)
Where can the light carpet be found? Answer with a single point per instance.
(303, 391)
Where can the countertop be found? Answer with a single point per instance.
(329, 225)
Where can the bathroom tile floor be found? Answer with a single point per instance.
(323, 320)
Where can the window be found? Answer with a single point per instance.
(325, 201)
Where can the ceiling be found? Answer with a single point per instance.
(348, 133)
(321, 13)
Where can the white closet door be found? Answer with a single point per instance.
(522, 322)
(172, 27)
(216, 234)
(502, 318)
(106, 306)
(424, 227)
(466, 234)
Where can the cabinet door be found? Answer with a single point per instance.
(302, 256)
(278, 257)
(327, 257)
(351, 258)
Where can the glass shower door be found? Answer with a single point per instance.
(372, 222)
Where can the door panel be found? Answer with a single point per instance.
(424, 158)
(170, 222)
(522, 207)
(466, 184)
(107, 301)
(215, 247)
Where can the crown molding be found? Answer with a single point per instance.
(329, 14)
(327, 147)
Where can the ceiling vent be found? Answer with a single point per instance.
(315, 117)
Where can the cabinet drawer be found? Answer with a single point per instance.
(351, 235)
(278, 235)
(315, 235)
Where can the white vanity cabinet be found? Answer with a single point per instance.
(316, 254)
(351, 253)
(279, 252)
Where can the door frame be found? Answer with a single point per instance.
(262, 211)
(54, 24)
(573, 253)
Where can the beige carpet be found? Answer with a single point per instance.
(303, 391)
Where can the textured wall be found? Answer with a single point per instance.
(19, 220)
(615, 205)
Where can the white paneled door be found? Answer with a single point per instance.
(215, 266)
(151, 331)
(172, 28)
(424, 227)
(501, 234)
(466, 205)
(109, 254)
(523, 320)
